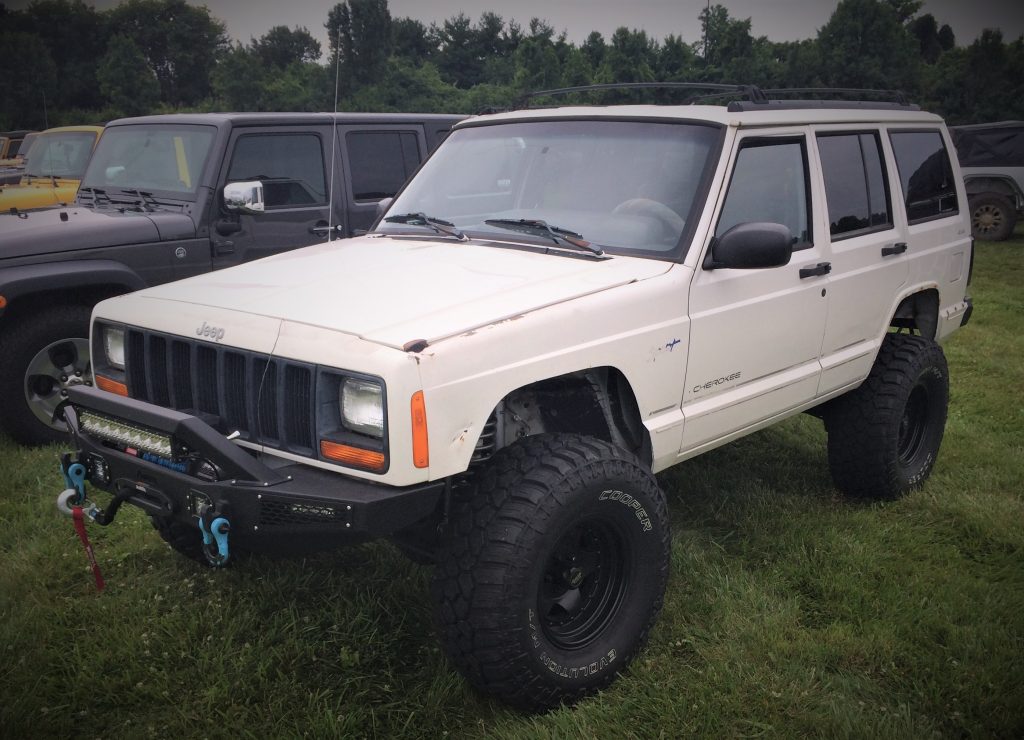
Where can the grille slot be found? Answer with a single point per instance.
(269, 401)
(298, 513)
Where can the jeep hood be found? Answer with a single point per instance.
(76, 228)
(396, 290)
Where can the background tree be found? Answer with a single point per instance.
(126, 81)
(282, 46)
(180, 43)
(27, 91)
(360, 31)
(865, 45)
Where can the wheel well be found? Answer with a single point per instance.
(598, 402)
(918, 313)
(1005, 187)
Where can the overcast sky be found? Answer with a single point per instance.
(779, 20)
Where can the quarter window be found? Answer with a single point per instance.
(855, 184)
(290, 166)
(769, 183)
(929, 189)
(381, 162)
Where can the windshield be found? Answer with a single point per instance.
(623, 185)
(62, 154)
(154, 158)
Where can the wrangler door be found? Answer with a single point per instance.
(291, 163)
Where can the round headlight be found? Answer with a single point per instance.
(362, 407)
(113, 346)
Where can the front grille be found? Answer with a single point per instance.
(267, 400)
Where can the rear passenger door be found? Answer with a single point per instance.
(291, 164)
(378, 160)
(868, 245)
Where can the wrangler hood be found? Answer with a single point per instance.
(396, 290)
(76, 228)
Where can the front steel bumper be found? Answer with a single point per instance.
(262, 502)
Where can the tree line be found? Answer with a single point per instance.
(63, 62)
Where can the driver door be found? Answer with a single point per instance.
(292, 165)
(756, 334)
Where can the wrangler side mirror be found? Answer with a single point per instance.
(244, 197)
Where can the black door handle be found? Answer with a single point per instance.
(224, 247)
(897, 248)
(822, 268)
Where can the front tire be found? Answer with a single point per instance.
(552, 570)
(884, 437)
(44, 354)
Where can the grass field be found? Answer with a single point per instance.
(790, 611)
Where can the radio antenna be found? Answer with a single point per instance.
(334, 135)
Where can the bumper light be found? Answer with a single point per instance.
(112, 430)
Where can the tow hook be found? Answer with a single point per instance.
(215, 530)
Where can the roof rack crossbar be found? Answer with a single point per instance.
(896, 96)
(752, 92)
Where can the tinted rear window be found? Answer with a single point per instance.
(926, 175)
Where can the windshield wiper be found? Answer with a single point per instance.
(421, 219)
(536, 226)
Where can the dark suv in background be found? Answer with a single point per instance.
(992, 159)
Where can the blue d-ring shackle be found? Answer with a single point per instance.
(219, 536)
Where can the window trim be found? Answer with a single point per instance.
(885, 183)
(759, 141)
(903, 196)
(265, 134)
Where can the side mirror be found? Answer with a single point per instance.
(751, 246)
(244, 197)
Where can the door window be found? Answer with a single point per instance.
(769, 183)
(290, 166)
(855, 184)
(381, 162)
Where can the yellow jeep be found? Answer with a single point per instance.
(54, 165)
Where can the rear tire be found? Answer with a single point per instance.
(884, 437)
(993, 217)
(552, 570)
(43, 354)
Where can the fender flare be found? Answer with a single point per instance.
(25, 280)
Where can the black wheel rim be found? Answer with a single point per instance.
(913, 424)
(583, 584)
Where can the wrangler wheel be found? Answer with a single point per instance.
(44, 355)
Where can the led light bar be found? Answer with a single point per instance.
(121, 433)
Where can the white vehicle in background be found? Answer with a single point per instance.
(560, 304)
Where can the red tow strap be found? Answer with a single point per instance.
(76, 512)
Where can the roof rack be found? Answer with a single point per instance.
(748, 97)
(751, 92)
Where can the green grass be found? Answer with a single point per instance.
(790, 611)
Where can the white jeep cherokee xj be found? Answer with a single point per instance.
(561, 303)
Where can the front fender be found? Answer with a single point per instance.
(26, 280)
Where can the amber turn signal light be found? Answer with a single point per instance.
(420, 447)
(111, 386)
(353, 456)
